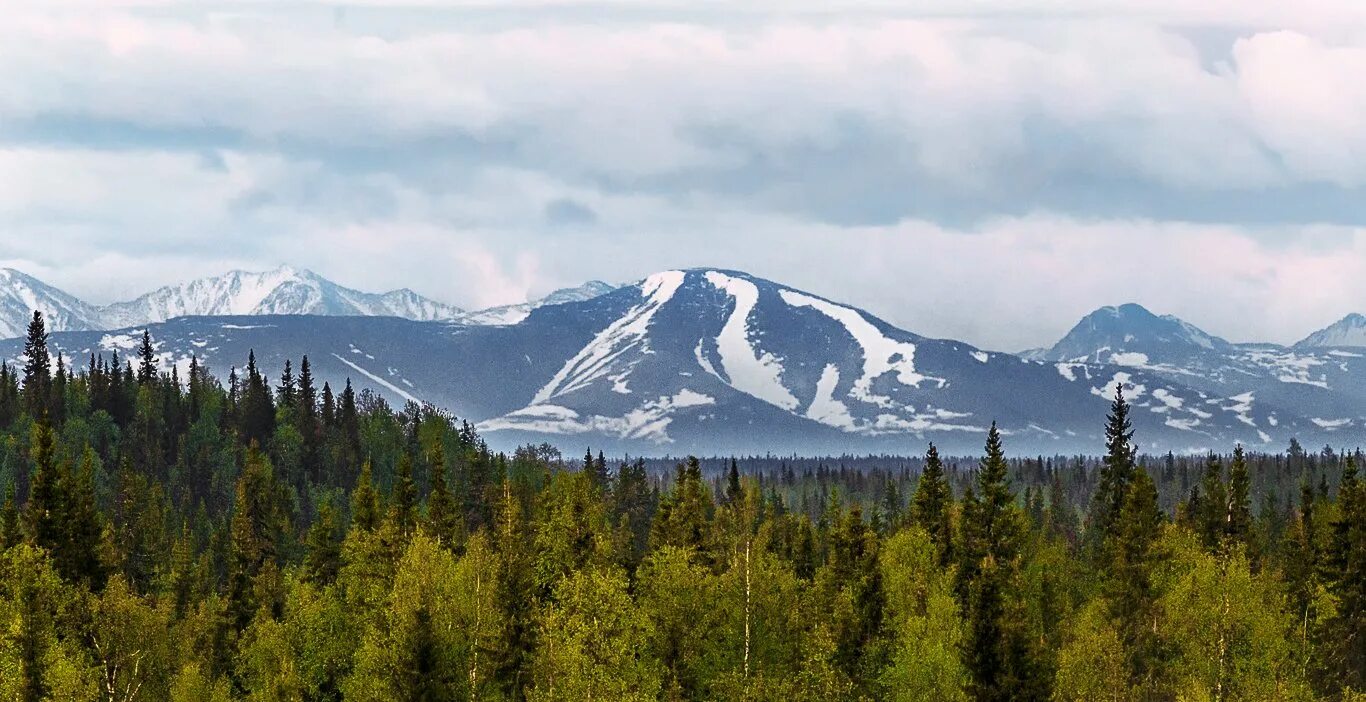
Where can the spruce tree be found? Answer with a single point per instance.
(46, 510)
(328, 413)
(733, 482)
(1117, 469)
(1212, 514)
(323, 560)
(932, 505)
(992, 531)
(306, 419)
(10, 531)
(37, 369)
(365, 507)
(147, 360)
(80, 559)
(286, 394)
(1130, 588)
(1345, 568)
(1238, 525)
(259, 523)
(443, 520)
(403, 500)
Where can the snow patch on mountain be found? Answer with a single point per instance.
(650, 421)
(881, 354)
(824, 407)
(626, 334)
(378, 380)
(753, 372)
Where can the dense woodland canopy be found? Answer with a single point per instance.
(181, 538)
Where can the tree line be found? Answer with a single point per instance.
(181, 538)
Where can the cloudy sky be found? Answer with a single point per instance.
(988, 170)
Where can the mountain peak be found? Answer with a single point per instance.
(1348, 331)
(1131, 333)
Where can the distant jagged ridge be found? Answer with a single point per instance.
(284, 290)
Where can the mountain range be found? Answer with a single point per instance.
(282, 291)
(716, 361)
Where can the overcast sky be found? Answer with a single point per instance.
(983, 170)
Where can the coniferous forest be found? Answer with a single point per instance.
(195, 537)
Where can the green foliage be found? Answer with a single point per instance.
(594, 643)
(923, 617)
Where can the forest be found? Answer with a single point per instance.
(180, 536)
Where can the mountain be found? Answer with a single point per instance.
(1131, 335)
(284, 290)
(717, 361)
(512, 314)
(21, 294)
(1324, 385)
(1346, 332)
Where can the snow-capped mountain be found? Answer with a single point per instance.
(1313, 379)
(1348, 331)
(21, 294)
(1131, 335)
(284, 290)
(512, 314)
(715, 361)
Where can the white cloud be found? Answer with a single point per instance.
(987, 170)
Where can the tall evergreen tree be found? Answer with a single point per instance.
(1117, 469)
(257, 528)
(147, 360)
(308, 424)
(932, 505)
(47, 506)
(37, 369)
(1238, 524)
(10, 531)
(443, 517)
(997, 649)
(365, 503)
(1345, 568)
(1211, 513)
(1131, 591)
(733, 482)
(323, 561)
(403, 500)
